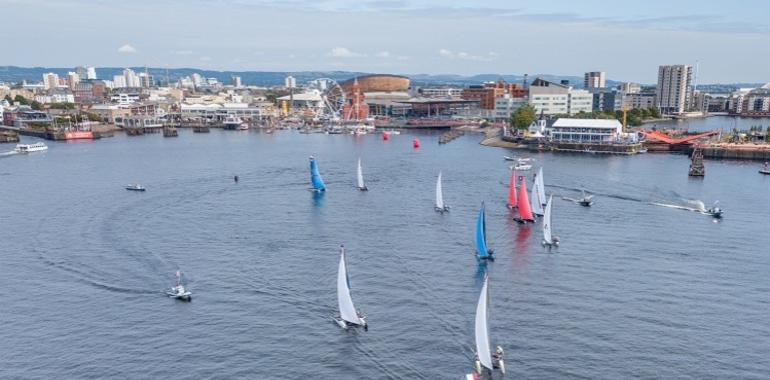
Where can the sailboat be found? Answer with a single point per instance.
(512, 201)
(440, 205)
(349, 316)
(548, 239)
(536, 199)
(315, 176)
(525, 213)
(482, 252)
(486, 360)
(360, 178)
(540, 180)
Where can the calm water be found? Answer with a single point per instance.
(635, 290)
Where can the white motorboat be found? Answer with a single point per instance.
(29, 148)
(509, 158)
(179, 292)
(233, 123)
(586, 201)
(715, 211)
(349, 316)
(135, 187)
(521, 167)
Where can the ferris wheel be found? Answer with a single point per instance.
(332, 96)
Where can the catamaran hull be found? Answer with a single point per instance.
(442, 209)
(345, 325)
(182, 297)
(523, 221)
(363, 188)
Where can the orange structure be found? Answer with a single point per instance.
(355, 109)
(664, 138)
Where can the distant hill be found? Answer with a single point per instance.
(15, 74)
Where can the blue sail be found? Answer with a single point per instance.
(315, 176)
(481, 235)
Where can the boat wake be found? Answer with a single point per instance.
(696, 206)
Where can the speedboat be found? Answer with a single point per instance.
(178, 291)
(509, 158)
(715, 211)
(765, 169)
(29, 148)
(135, 187)
(521, 167)
(586, 201)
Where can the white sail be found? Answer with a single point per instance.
(541, 186)
(439, 193)
(482, 330)
(547, 222)
(534, 199)
(347, 309)
(360, 175)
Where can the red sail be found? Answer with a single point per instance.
(512, 201)
(524, 211)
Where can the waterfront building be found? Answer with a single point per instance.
(439, 92)
(50, 81)
(505, 105)
(290, 82)
(56, 96)
(585, 130)
(124, 99)
(552, 98)
(221, 111)
(486, 93)
(607, 100)
(756, 103)
(674, 90)
(593, 80)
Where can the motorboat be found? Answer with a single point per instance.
(509, 158)
(586, 200)
(765, 169)
(135, 187)
(233, 123)
(715, 211)
(521, 167)
(179, 292)
(243, 127)
(29, 148)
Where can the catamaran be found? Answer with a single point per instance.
(349, 316)
(525, 213)
(178, 291)
(440, 205)
(486, 361)
(360, 178)
(512, 201)
(482, 251)
(315, 176)
(548, 239)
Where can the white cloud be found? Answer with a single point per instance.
(127, 49)
(343, 52)
(466, 56)
(383, 54)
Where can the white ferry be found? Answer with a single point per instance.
(29, 148)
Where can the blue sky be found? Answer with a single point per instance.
(628, 40)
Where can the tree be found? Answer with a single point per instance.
(8, 99)
(655, 112)
(523, 117)
(35, 105)
(22, 100)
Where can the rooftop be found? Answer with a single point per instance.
(588, 123)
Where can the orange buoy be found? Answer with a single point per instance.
(416, 143)
(385, 136)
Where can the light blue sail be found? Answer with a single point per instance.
(315, 176)
(481, 236)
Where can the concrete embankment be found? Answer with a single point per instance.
(738, 152)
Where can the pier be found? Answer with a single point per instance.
(448, 137)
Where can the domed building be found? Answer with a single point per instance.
(378, 83)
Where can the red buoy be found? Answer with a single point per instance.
(416, 142)
(385, 136)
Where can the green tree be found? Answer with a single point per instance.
(8, 99)
(22, 100)
(523, 117)
(655, 112)
(35, 105)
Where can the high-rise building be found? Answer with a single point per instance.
(197, 79)
(50, 81)
(119, 81)
(237, 81)
(145, 80)
(674, 89)
(630, 87)
(73, 79)
(132, 80)
(90, 72)
(290, 82)
(593, 79)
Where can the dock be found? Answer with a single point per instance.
(448, 137)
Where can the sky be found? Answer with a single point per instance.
(729, 41)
